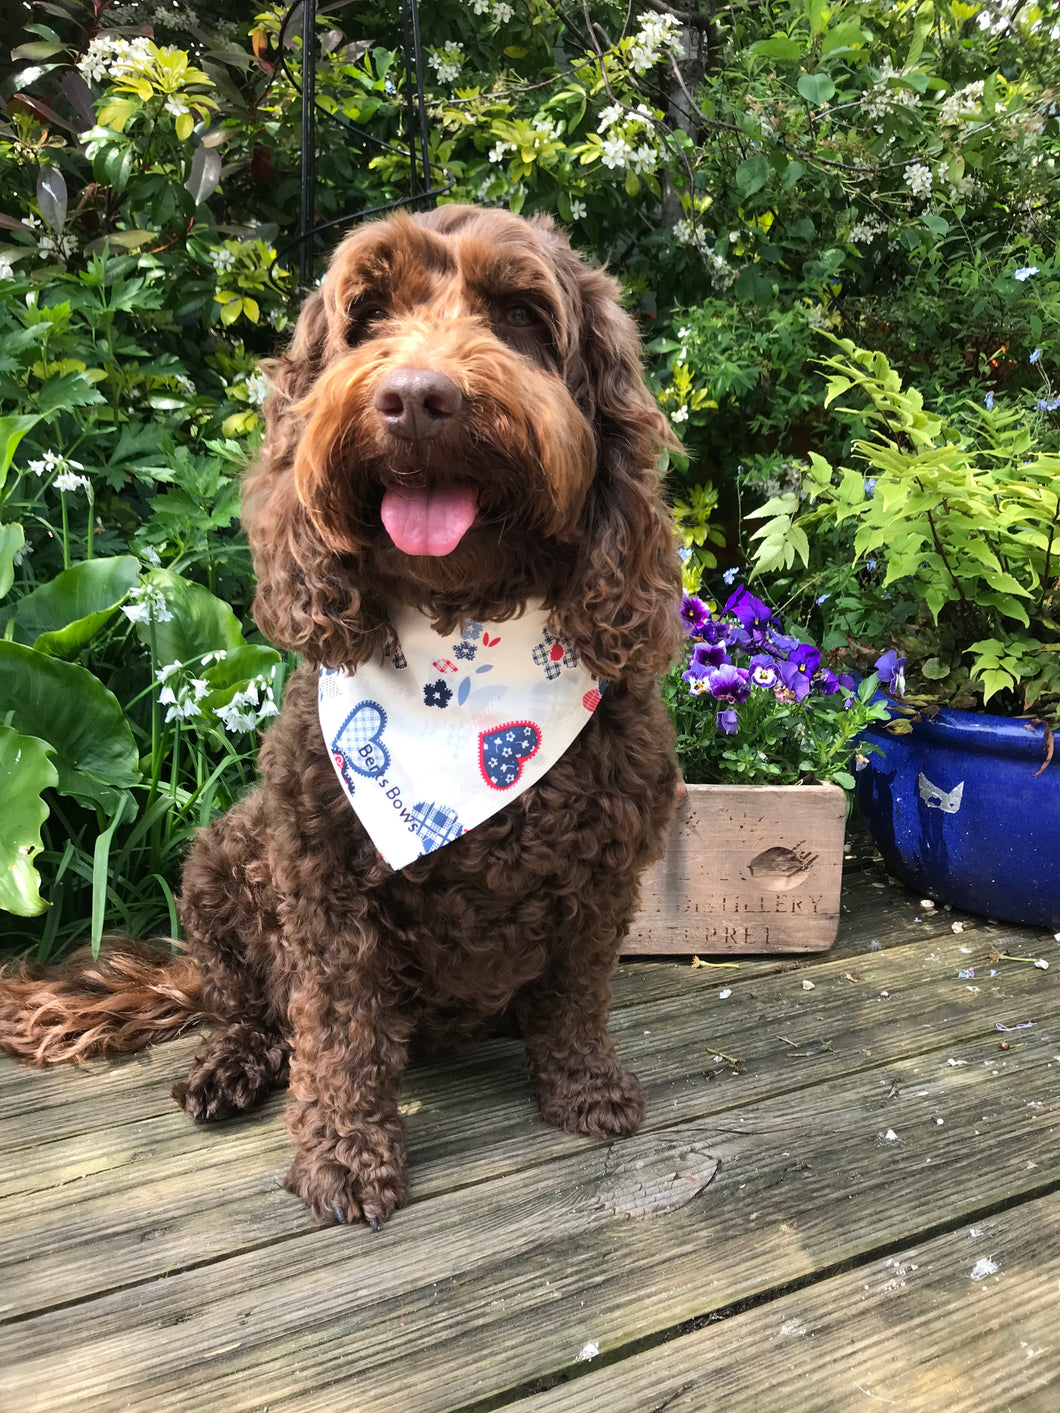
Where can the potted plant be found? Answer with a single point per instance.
(943, 546)
(766, 733)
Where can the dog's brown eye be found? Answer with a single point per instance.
(521, 315)
(362, 315)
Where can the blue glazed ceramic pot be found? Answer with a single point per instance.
(959, 811)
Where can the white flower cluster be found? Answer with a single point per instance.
(174, 18)
(967, 189)
(63, 245)
(7, 270)
(918, 179)
(70, 481)
(110, 57)
(62, 467)
(257, 388)
(447, 61)
(249, 708)
(498, 150)
(687, 234)
(183, 702)
(502, 12)
(658, 35)
(881, 96)
(962, 105)
(617, 152)
(867, 229)
(146, 605)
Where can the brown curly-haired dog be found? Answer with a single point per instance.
(470, 354)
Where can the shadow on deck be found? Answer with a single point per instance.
(846, 1196)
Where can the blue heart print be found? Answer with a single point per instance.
(359, 740)
(505, 750)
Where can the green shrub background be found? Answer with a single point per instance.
(759, 178)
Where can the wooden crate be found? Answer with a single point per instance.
(749, 868)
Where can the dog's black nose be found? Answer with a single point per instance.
(416, 402)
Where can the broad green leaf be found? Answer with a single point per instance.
(25, 771)
(779, 47)
(200, 622)
(63, 615)
(12, 430)
(752, 175)
(816, 88)
(64, 704)
(12, 538)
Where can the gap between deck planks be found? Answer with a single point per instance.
(934, 1328)
(455, 1134)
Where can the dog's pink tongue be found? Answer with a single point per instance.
(428, 519)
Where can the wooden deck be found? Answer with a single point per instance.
(846, 1197)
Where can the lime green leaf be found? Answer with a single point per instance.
(63, 615)
(778, 47)
(25, 771)
(12, 538)
(95, 753)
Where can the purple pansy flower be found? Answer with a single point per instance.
(827, 682)
(709, 655)
(695, 613)
(763, 671)
(727, 721)
(798, 672)
(891, 670)
(752, 613)
(729, 684)
(782, 643)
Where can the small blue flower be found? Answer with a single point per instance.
(1024, 272)
(822, 598)
(988, 402)
(1035, 356)
(872, 563)
(684, 555)
(870, 485)
(730, 576)
(1048, 404)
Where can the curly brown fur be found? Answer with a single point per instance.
(320, 961)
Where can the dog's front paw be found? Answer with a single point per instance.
(598, 1098)
(357, 1179)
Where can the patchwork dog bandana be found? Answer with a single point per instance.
(446, 729)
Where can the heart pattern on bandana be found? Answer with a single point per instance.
(505, 750)
(359, 740)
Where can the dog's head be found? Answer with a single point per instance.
(461, 423)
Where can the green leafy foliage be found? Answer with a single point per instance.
(957, 517)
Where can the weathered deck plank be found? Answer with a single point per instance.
(147, 1262)
(930, 1329)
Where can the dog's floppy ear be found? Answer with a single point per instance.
(622, 607)
(306, 599)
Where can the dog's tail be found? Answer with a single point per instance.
(124, 1000)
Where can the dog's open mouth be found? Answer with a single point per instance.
(429, 520)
